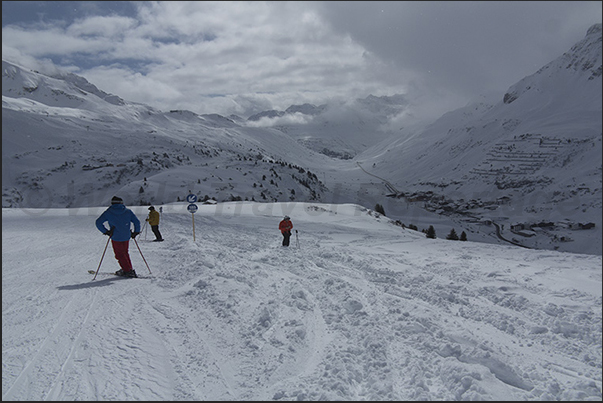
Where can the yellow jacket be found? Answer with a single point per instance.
(153, 217)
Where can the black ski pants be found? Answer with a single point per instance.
(155, 229)
(286, 236)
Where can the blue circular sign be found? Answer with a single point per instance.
(191, 198)
(192, 208)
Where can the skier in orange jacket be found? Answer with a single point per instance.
(285, 226)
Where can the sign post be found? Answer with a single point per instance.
(192, 208)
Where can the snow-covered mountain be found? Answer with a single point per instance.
(530, 159)
(66, 143)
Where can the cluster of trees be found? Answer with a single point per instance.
(452, 235)
(429, 232)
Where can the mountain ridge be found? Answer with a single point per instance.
(68, 144)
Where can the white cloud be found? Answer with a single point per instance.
(110, 27)
(216, 57)
(287, 119)
(51, 41)
(251, 49)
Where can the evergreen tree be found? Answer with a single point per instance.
(379, 209)
(463, 236)
(431, 232)
(452, 235)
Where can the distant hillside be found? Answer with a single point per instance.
(532, 155)
(65, 143)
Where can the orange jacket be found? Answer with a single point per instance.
(285, 225)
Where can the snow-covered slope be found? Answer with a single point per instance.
(363, 310)
(65, 143)
(533, 156)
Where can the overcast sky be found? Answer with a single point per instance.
(245, 57)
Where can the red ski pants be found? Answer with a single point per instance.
(122, 255)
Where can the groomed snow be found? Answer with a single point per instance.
(361, 310)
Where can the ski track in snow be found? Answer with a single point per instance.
(362, 310)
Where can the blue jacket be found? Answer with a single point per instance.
(120, 217)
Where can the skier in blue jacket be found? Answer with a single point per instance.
(119, 218)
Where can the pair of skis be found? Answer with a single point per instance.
(103, 256)
(113, 274)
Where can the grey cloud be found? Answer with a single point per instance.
(465, 46)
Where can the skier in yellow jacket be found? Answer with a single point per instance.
(153, 221)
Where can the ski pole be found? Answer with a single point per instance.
(297, 239)
(102, 257)
(145, 260)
